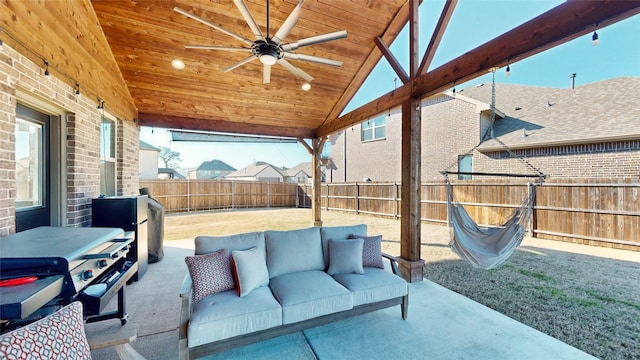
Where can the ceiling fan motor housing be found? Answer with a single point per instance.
(267, 47)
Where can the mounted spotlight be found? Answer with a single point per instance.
(306, 86)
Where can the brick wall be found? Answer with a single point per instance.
(81, 139)
(605, 160)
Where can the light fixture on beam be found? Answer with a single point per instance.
(594, 39)
(508, 71)
(306, 86)
(46, 69)
(77, 89)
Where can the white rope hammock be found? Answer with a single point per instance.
(483, 246)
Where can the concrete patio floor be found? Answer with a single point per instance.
(441, 325)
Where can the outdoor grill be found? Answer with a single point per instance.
(47, 267)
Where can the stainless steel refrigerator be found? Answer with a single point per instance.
(130, 214)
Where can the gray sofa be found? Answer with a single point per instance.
(284, 281)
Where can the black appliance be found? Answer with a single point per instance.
(46, 267)
(128, 213)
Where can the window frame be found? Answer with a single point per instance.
(372, 126)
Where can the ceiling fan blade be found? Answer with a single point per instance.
(249, 19)
(240, 63)
(225, 48)
(288, 24)
(209, 23)
(312, 58)
(315, 40)
(294, 70)
(266, 74)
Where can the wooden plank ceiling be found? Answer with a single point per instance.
(145, 36)
(121, 51)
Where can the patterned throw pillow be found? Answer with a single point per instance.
(210, 273)
(371, 250)
(58, 336)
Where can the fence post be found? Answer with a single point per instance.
(357, 204)
(395, 200)
(189, 195)
(233, 194)
(268, 194)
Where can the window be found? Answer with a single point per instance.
(29, 164)
(374, 129)
(108, 157)
(465, 164)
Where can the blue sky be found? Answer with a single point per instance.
(473, 23)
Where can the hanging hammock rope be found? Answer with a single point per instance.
(487, 247)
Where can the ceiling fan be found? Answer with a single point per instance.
(269, 49)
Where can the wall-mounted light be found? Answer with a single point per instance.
(454, 87)
(594, 39)
(1, 45)
(306, 86)
(77, 89)
(46, 69)
(100, 103)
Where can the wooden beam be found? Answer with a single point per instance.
(561, 24)
(177, 122)
(395, 65)
(436, 37)
(316, 164)
(390, 34)
(413, 38)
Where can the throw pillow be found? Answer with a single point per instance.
(250, 269)
(371, 250)
(210, 274)
(345, 257)
(58, 336)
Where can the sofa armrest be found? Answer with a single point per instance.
(394, 263)
(185, 314)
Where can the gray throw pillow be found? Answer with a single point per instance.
(345, 257)
(250, 270)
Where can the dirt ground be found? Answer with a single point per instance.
(586, 296)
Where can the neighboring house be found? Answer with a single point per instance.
(213, 169)
(168, 173)
(300, 173)
(592, 131)
(148, 161)
(258, 171)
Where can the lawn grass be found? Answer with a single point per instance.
(588, 301)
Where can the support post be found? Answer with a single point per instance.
(410, 263)
(316, 168)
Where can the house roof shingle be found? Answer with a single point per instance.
(216, 165)
(597, 112)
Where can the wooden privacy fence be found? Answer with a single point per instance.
(201, 195)
(583, 211)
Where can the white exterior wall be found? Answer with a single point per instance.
(148, 164)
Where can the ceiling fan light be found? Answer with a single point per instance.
(268, 59)
(177, 64)
(306, 86)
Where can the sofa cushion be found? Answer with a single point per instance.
(345, 256)
(293, 251)
(226, 315)
(338, 233)
(210, 273)
(208, 244)
(371, 250)
(308, 294)
(374, 285)
(250, 269)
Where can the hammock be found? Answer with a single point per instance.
(485, 247)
